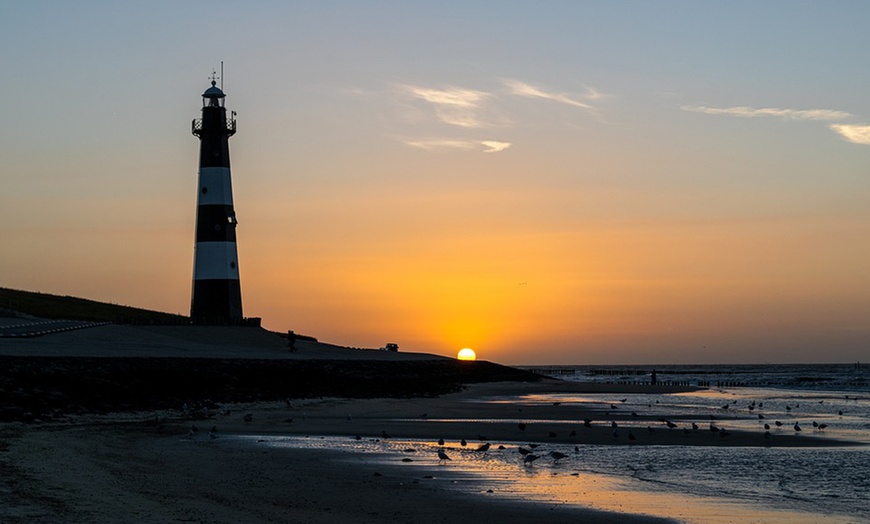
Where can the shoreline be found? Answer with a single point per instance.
(146, 466)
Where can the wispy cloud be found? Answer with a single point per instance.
(521, 88)
(455, 106)
(787, 114)
(487, 146)
(857, 134)
(494, 146)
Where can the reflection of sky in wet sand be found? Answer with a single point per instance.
(847, 415)
(696, 485)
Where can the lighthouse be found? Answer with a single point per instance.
(217, 293)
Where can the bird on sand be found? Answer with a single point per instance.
(463, 443)
(483, 447)
(557, 455)
(521, 426)
(797, 427)
(523, 451)
(631, 436)
(440, 441)
(767, 427)
(443, 456)
(587, 422)
(778, 423)
(531, 457)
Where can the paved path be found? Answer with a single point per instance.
(44, 327)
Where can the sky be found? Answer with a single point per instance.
(544, 182)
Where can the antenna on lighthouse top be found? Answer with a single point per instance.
(222, 75)
(214, 78)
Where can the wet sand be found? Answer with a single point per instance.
(145, 467)
(83, 459)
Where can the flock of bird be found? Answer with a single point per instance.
(527, 453)
(530, 454)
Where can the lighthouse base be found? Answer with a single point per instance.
(216, 302)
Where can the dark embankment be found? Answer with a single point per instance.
(44, 305)
(44, 388)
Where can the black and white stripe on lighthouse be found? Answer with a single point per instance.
(217, 294)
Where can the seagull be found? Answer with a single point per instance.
(587, 422)
(576, 449)
(557, 455)
(778, 423)
(463, 443)
(822, 426)
(694, 426)
(440, 441)
(613, 424)
(797, 427)
(531, 457)
(815, 424)
(670, 424)
(767, 427)
(483, 447)
(523, 451)
(443, 456)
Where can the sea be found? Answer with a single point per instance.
(691, 484)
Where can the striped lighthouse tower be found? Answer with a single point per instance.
(217, 294)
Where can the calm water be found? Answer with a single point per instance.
(688, 483)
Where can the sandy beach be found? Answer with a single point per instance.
(313, 458)
(148, 467)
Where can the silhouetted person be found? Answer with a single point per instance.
(291, 340)
(653, 378)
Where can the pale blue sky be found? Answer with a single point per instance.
(605, 150)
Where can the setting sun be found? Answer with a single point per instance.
(466, 354)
